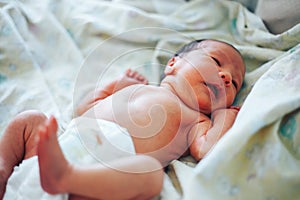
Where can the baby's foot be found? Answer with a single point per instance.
(136, 76)
(52, 163)
(130, 77)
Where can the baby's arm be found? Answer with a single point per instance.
(128, 78)
(206, 136)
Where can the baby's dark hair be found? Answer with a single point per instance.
(194, 46)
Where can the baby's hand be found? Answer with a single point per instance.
(230, 112)
(235, 108)
(222, 121)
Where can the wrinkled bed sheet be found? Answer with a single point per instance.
(52, 52)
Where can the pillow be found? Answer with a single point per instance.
(250, 4)
(278, 15)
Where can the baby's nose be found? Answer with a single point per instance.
(226, 77)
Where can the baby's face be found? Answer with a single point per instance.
(212, 74)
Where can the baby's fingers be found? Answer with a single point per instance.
(235, 108)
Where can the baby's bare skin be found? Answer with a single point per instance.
(159, 124)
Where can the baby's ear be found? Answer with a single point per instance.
(169, 67)
(171, 62)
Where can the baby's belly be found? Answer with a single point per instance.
(154, 123)
(143, 113)
(151, 126)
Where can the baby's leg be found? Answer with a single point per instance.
(18, 143)
(138, 177)
(53, 165)
(50, 154)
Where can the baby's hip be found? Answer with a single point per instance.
(89, 140)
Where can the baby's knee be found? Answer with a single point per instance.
(30, 117)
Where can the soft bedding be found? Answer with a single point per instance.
(52, 52)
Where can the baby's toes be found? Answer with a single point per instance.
(130, 73)
(136, 76)
(140, 77)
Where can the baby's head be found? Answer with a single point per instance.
(206, 74)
